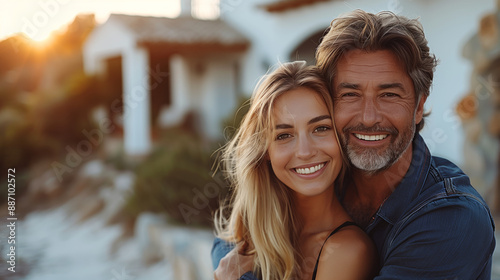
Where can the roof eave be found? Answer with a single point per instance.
(195, 47)
(285, 5)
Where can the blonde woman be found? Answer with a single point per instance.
(284, 163)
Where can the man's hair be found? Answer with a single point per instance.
(373, 32)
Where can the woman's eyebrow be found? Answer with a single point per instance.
(283, 126)
(319, 118)
(313, 120)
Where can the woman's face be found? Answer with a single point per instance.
(304, 151)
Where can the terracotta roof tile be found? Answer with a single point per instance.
(182, 30)
(284, 5)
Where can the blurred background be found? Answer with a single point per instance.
(111, 113)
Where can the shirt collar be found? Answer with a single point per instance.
(410, 187)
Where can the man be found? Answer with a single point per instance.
(423, 215)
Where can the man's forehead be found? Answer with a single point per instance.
(380, 67)
(359, 60)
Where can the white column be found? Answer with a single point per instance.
(136, 102)
(179, 92)
(219, 96)
(185, 8)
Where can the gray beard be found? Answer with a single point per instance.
(372, 160)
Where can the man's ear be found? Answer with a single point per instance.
(419, 113)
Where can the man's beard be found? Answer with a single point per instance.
(373, 160)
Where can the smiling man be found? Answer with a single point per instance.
(376, 112)
(421, 211)
(425, 218)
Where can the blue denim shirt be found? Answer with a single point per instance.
(433, 226)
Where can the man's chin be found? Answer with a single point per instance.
(370, 169)
(370, 164)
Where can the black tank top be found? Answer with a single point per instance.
(347, 223)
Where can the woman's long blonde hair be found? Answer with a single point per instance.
(262, 215)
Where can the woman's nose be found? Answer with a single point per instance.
(305, 147)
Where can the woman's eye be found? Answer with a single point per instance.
(322, 128)
(283, 136)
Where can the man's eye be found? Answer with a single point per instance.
(283, 136)
(348, 94)
(390, 94)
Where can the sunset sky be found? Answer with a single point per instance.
(38, 18)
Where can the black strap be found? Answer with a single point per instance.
(347, 223)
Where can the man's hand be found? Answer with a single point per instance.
(233, 266)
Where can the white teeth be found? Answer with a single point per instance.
(309, 170)
(371, 137)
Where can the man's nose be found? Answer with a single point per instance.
(370, 111)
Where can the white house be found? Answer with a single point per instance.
(168, 69)
(256, 34)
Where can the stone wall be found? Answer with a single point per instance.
(479, 109)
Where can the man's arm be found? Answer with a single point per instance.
(228, 264)
(220, 249)
(451, 238)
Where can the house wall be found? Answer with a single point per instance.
(111, 40)
(204, 85)
(221, 94)
(447, 23)
(108, 40)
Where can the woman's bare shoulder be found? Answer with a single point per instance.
(350, 254)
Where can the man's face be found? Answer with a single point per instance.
(375, 109)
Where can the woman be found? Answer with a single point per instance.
(283, 163)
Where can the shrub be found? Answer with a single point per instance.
(38, 125)
(177, 179)
(66, 113)
(20, 146)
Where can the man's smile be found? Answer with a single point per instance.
(371, 137)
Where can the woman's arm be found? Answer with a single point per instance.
(348, 255)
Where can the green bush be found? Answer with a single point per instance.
(230, 124)
(39, 125)
(66, 113)
(20, 146)
(177, 179)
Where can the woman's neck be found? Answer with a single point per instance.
(320, 213)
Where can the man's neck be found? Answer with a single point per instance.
(368, 191)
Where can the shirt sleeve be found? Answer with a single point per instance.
(450, 238)
(221, 248)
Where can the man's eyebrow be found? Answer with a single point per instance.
(347, 85)
(311, 121)
(382, 86)
(392, 85)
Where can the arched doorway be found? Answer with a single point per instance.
(306, 50)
